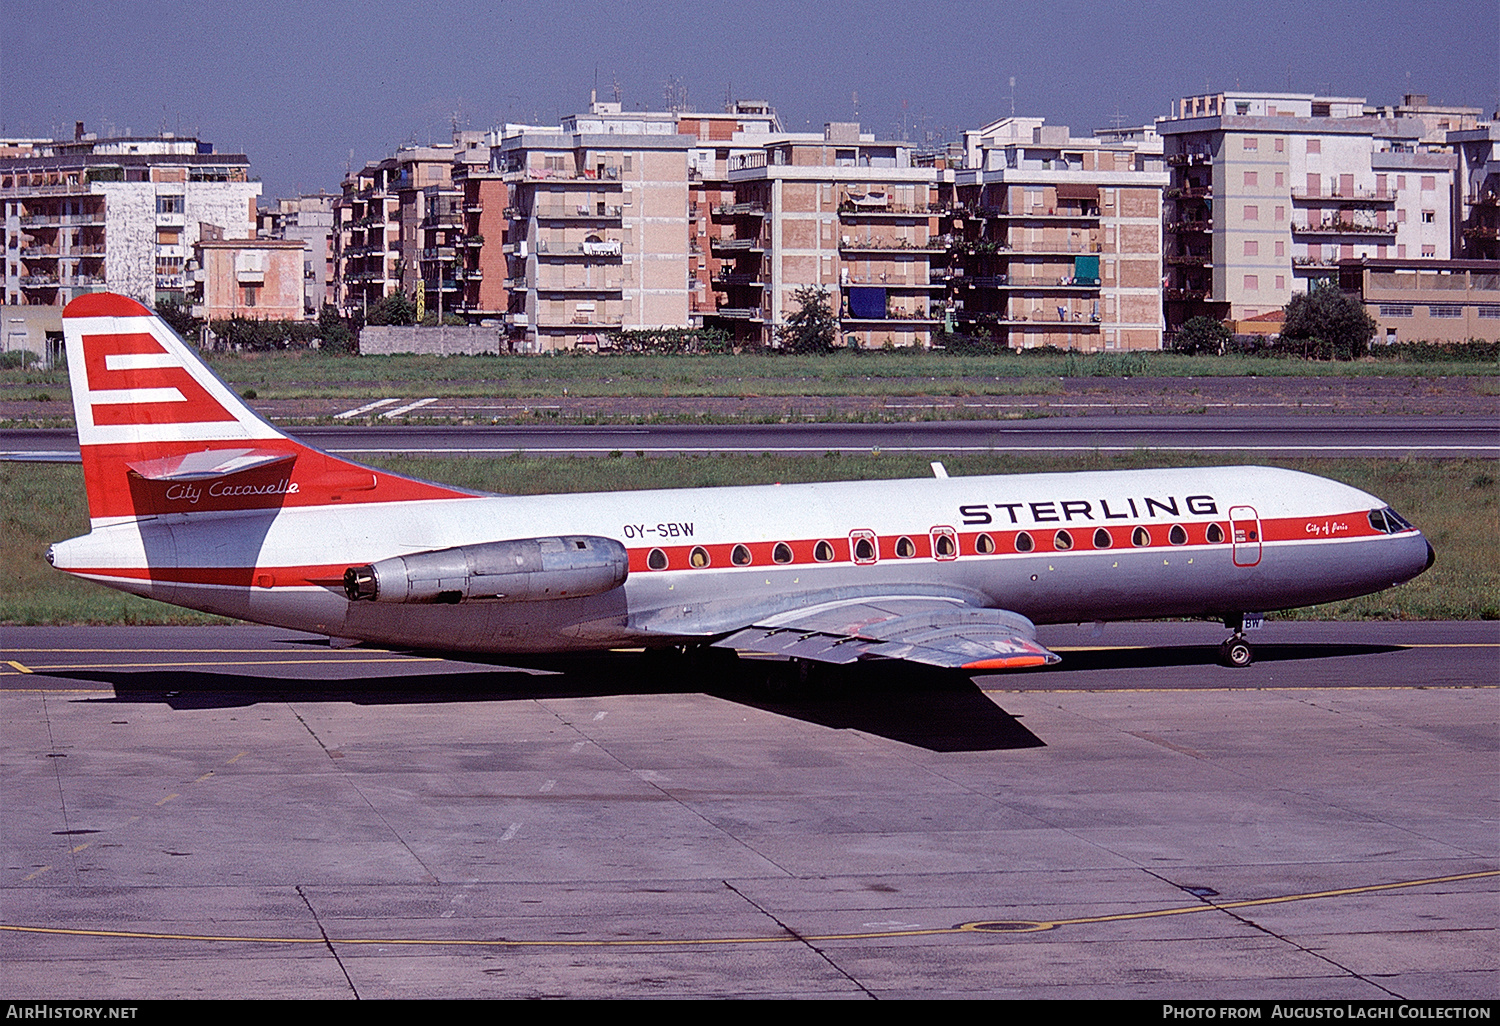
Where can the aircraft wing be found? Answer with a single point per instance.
(921, 629)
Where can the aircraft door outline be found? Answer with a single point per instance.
(1244, 533)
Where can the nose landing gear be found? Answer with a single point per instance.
(1236, 651)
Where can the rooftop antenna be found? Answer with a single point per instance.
(854, 98)
(1012, 96)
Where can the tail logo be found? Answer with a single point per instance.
(133, 379)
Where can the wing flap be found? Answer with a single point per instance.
(928, 630)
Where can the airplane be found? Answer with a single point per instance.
(197, 501)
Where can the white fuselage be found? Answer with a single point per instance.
(1284, 539)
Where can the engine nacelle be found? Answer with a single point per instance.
(522, 570)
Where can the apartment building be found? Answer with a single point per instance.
(480, 260)
(397, 221)
(598, 232)
(307, 219)
(1478, 236)
(1057, 241)
(722, 137)
(1270, 191)
(122, 214)
(841, 211)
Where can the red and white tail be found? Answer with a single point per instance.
(161, 433)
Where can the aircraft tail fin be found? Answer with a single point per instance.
(160, 432)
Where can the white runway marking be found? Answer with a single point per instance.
(366, 408)
(398, 411)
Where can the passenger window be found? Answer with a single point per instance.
(823, 552)
(984, 545)
(1215, 534)
(656, 560)
(782, 553)
(1024, 542)
(1140, 537)
(862, 545)
(904, 548)
(739, 556)
(1062, 541)
(1102, 539)
(698, 558)
(1177, 535)
(944, 543)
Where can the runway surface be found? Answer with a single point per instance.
(1259, 434)
(243, 811)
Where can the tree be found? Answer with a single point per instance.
(179, 319)
(397, 308)
(1202, 335)
(1327, 323)
(333, 332)
(812, 328)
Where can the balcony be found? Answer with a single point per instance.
(857, 211)
(724, 281)
(1342, 228)
(725, 211)
(603, 248)
(893, 317)
(538, 174)
(1359, 197)
(718, 246)
(1189, 259)
(1190, 192)
(1186, 295)
(581, 212)
(1189, 159)
(581, 287)
(738, 313)
(1005, 281)
(1189, 227)
(883, 247)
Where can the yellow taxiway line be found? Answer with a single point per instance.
(970, 928)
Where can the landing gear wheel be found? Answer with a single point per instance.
(1236, 652)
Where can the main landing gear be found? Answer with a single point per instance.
(1236, 651)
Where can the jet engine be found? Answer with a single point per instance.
(522, 570)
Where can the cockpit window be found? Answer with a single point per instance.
(1388, 521)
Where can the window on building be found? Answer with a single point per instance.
(1429, 251)
(1489, 311)
(1281, 249)
(1251, 143)
(1315, 146)
(1444, 309)
(1252, 212)
(1429, 183)
(1252, 247)
(1395, 310)
(1252, 282)
(252, 293)
(1252, 179)
(1281, 213)
(1280, 145)
(1280, 282)
(1429, 216)
(169, 204)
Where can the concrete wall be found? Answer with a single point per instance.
(446, 341)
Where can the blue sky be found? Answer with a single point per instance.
(300, 86)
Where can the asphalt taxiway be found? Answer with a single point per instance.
(245, 812)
